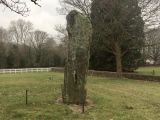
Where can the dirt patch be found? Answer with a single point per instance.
(77, 109)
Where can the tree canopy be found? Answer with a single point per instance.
(118, 28)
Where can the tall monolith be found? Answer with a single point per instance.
(79, 29)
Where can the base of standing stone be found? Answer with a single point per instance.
(76, 108)
(64, 98)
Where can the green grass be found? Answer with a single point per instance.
(113, 99)
(149, 70)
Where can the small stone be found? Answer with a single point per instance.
(50, 78)
(129, 107)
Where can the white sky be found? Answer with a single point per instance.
(43, 18)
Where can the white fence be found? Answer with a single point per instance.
(24, 70)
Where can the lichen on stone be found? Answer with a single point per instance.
(80, 33)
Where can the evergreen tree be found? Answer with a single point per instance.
(117, 30)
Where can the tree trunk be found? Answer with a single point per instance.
(118, 59)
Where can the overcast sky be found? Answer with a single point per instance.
(43, 18)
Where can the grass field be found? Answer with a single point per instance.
(149, 70)
(112, 99)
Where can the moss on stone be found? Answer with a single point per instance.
(80, 33)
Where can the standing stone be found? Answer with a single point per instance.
(79, 30)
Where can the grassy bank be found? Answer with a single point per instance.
(148, 70)
(113, 99)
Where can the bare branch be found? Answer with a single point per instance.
(82, 6)
(150, 11)
(18, 6)
(35, 2)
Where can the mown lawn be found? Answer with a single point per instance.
(113, 99)
(149, 70)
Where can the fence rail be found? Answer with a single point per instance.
(24, 70)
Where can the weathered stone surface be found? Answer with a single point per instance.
(80, 33)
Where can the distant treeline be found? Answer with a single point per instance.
(22, 46)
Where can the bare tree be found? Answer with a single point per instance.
(62, 34)
(4, 35)
(83, 6)
(150, 12)
(18, 6)
(152, 45)
(38, 39)
(20, 30)
(62, 48)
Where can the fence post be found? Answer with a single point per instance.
(153, 73)
(26, 97)
(83, 107)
